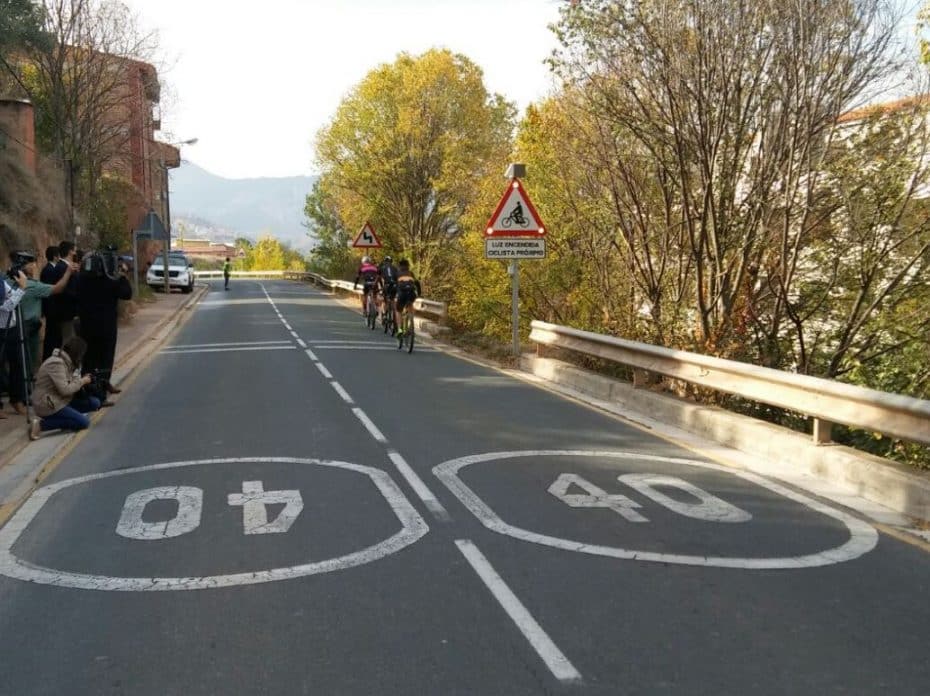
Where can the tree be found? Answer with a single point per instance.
(406, 150)
(331, 255)
(713, 118)
(270, 254)
(110, 210)
(20, 25)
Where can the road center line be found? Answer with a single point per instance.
(555, 659)
(420, 488)
(301, 343)
(369, 426)
(342, 392)
(416, 483)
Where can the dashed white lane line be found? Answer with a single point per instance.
(301, 343)
(420, 488)
(560, 666)
(369, 426)
(342, 392)
(416, 483)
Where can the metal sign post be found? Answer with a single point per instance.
(515, 305)
(515, 231)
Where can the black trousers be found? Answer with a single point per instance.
(101, 346)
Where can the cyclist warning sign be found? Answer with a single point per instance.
(515, 215)
(366, 238)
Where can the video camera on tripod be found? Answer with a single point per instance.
(20, 260)
(13, 339)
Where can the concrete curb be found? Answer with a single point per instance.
(22, 470)
(878, 480)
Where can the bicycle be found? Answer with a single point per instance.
(387, 317)
(406, 335)
(371, 309)
(515, 217)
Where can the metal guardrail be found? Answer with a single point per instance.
(826, 401)
(421, 305)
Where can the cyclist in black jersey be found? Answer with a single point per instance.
(408, 289)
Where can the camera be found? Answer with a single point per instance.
(103, 262)
(20, 260)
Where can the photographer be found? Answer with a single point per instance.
(31, 313)
(10, 297)
(57, 400)
(61, 309)
(102, 283)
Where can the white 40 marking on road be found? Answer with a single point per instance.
(708, 507)
(862, 536)
(254, 500)
(412, 528)
(186, 519)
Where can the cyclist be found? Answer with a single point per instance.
(368, 274)
(408, 289)
(388, 272)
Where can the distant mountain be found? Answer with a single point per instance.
(242, 207)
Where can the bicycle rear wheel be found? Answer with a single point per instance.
(409, 332)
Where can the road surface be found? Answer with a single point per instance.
(282, 502)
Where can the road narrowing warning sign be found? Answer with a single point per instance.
(514, 248)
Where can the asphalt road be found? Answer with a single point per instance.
(282, 502)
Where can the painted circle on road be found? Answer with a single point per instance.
(412, 528)
(862, 536)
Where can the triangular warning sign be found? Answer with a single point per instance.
(515, 215)
(366, 238)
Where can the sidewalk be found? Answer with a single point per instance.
(142, 328)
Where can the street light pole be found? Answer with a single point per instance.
(167, 199)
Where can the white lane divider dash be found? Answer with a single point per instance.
(311, 355)
(342, 392)
(323, 371)
(420, 488)
(301, 343)
(555, 659)
(369, 425)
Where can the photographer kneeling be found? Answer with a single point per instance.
(57, 400)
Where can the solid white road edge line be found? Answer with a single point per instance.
(560, 666)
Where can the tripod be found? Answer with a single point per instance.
(23, 352)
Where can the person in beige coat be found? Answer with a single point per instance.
(56, 399)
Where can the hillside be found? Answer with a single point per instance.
(243, 207)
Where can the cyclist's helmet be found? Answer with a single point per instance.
(366, 259)
(388, 259)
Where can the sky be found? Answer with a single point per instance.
(255, 81)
